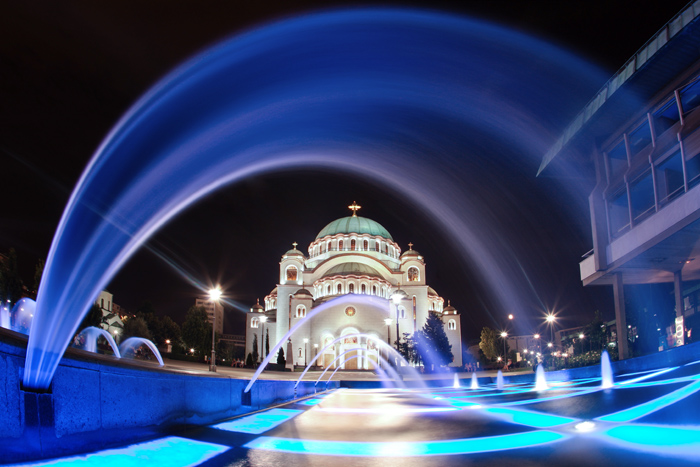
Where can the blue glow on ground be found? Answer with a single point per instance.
(647, 376)
(652, 406)
(164, 452)
(527, 418)
(673, 441)
(314, 401)
(407, 449)
(259, 422)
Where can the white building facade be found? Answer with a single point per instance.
(351, 255)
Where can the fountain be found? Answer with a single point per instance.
(499, 380)
(540, 380)
(89, 337)
(456, 383)
(23, 313)
(5, 316)
(475, 382)
(606, 377)
(133, 343)
(235, 120)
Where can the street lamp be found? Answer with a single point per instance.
(550, 320)
(263, 318)
(306, 341)
(396, 297)
(580, 338)
(387, 321)
(503, 336)
(214, 296)
(315, 350)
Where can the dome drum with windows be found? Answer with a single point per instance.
(351, 255)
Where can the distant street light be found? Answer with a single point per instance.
(550, 320)
(306, 341)
(396, 297)
(504, 335)
(214, 296)
(263, 319)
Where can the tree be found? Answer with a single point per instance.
(136, 327)
(170, 330)
(267, 342)
(93, 317)
(10, 281)
(255, 348)
(38, 272)
(595, 332)
(280, 357)
(488, 343)
(155, 325)
(249, 360)
(196, 330)
(407, 348)
(432, 343)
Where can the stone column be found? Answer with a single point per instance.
(620, 316)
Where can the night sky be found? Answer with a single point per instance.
(69, 70)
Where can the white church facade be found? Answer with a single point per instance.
(351, 255)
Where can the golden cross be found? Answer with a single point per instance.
(295, 245)
(410, 246)
(354, 207)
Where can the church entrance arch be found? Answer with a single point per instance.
(351, 343)
(329, 354)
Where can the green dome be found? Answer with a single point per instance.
(357, 269)
(354, 224)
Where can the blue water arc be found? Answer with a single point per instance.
(372, 93)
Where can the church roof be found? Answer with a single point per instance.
(354, 224)
(352, 268)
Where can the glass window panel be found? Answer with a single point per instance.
(669, 178)
(690, 96)
(618, 158)
(619, 213)
(666, 117)
(642, 196)
(640, 138)
(692, 166)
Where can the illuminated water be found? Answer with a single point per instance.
(637, 422)
(128, 346)
(91, 334)
(499, 380)
(540, 379)
(475, 382)
(456, 383)
(411, 101)
(606, 376)
(23, 313)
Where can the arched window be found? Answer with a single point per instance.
(340, 289)
(102, 303)
(386, 249)
(402, 312)
(328, 245)
(291, 273)
(365, 245)
(452, 325)
(413, 274)
(301, 311)
(340, 244)
(353, 243)
(351, 288)
(374, 290)
(363, 289)
(254, 322)
(328, 290)
(376, 246)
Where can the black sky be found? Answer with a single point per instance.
(70, 69)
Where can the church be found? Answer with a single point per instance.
(351, 255)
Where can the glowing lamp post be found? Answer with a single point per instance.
(387, 321)
(214, 296)
(306, 341)
(503, 336)
(550, 321)
(396, 297)
(263, 319)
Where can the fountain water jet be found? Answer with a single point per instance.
(235, 120)
(5, 316)
(135, 342)
(540, 380)
(606, 376)
(456, 383)
(91, 334)
(23, 312)
(499, 380)
(475, 382)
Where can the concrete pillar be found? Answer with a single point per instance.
(620, 316)
(678, 292)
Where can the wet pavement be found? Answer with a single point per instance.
(648, 418)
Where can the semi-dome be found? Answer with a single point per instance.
(354, 224)
(357, 269)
